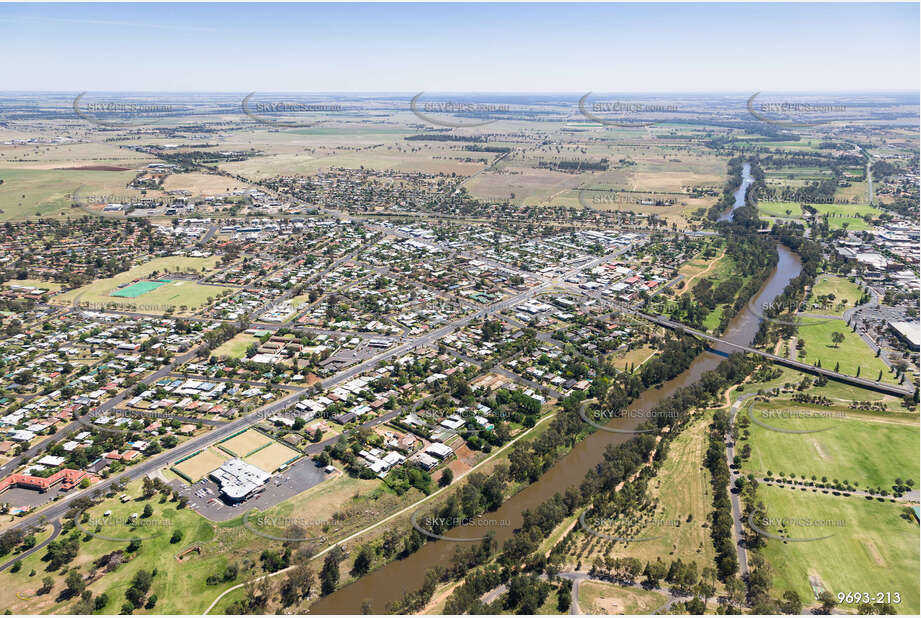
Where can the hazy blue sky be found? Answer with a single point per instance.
(450, 47)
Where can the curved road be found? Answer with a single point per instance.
(56, 525)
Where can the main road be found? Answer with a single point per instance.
(60, 507)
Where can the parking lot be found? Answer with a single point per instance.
(204, 496)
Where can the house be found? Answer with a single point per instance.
(441, 451)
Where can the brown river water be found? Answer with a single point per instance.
(390, 582)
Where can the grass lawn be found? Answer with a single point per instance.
(603, 598)
(236, 347)
(51, 286)
(838, 214)
(846, 294)
(179, 586)
(779, 209)
(852, 353)
(835, 391)
(29, 193)
(838, 453)
(875, 551)
(846, 215)
(682, 488)
(176, 294)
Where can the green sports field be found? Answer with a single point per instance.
(141, 287)
(875, 550)
(151, 294)
(839, 451)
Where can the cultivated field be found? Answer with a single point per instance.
(203, 184)
(28, 193)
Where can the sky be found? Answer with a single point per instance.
(460, 48)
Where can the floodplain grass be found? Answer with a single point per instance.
(635, 357)
(682, 488)
(850, 354)
(202, 464)
(846, 294)
(837, 448)
(682, 491)
(779, 209)
(876, 550)
(836, 391)
(596, 597)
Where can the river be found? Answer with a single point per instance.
(389, 582)
(739, 195)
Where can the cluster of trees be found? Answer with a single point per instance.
(10, 539)
(620, 462)
(789, 300)
(727, 561)
(727, 198)
(136, 594)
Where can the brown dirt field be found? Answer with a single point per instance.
(97, 168)
(873, 552)
(463, 462)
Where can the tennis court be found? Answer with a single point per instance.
(141, 287)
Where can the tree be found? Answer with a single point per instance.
(75, 583)
(329, 575)
(447, 476)
(791, 603)
(47, 585)
(363, 561)
(696, 606)
(297, 585)
(828, 602)
(837, 338)
(655, 572)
